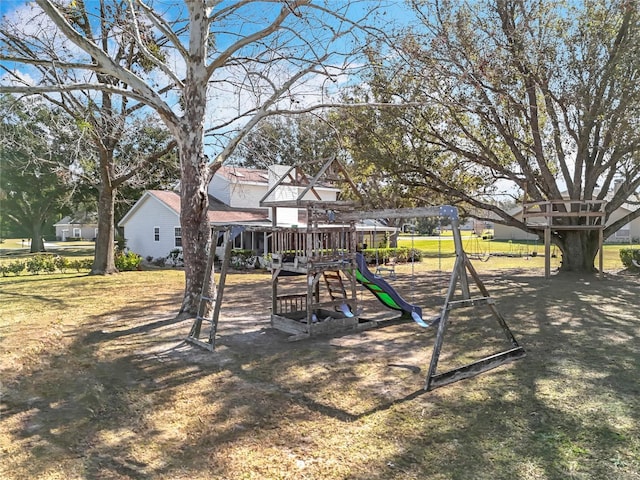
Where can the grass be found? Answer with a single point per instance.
(500, 254)
(95, 384)
(16, 248)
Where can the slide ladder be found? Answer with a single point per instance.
(335, 287)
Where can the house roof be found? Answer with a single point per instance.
(222, 213)
(235, 174)
(219, 213)
(243, 175)
(78, 219)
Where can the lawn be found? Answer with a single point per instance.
(12, 248)
(95, 383)
(499, 254)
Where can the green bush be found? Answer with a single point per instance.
(241, 259)
(383, 255)
(84, 264)
(61, 263)
(41, 262)
(16, 267)
(175, 258)
(128, 261)
(627, 255)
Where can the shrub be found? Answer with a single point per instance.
(383, 255)
(121, 243)
(61, 263)
(627, 255)
(41, 263)
(84, 264)
(128, 261)
(16, 267)
(159, 262)
(241, 259)
(175, 258)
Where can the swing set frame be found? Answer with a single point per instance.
(463, 270)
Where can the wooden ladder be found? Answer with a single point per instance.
(205, 301)
(335, 286)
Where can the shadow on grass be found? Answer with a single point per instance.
(120, 401)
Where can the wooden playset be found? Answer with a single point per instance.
(324, 254)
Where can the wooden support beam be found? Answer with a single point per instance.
(439, 211)
(475, 368)
(461, 268)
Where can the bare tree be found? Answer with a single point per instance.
(258, 54)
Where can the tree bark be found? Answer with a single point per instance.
(579, 249)
(196, 231)
(194, 202)
(37, 242)
(104, 257)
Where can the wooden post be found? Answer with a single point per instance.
(220, 288)
(547, 252)
(601, 252)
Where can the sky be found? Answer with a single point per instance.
(9, 5)
(226, 102)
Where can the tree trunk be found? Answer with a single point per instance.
(104, 256)
(196, 231)
(37, 242)
(579, 249)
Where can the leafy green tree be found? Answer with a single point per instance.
(288, 140)
(36, 163)
(128, 148)
(537, 97)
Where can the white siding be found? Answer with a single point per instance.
(503, 232)
(87, 232)
(630, 232)
(219, 188)
(139, 229)
(246, 195)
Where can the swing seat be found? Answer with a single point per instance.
(389, 266)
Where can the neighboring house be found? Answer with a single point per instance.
(627, 233)
(152, 225)
(77, 227)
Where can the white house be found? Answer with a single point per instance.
(77, 227)
(152, 225)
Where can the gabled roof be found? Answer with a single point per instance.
(243, 175)
(219, 213)
(78, 219)
(170, 200)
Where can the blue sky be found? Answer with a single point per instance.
(9, 5)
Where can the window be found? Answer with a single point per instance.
(76, 233)
(624, 232)
(156, 234)
(178, 236)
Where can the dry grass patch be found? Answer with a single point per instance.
(96, 384)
